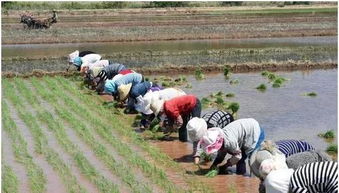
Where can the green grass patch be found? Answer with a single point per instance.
(332, 149)
(261, 87)
(327, 135)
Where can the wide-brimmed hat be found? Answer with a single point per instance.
(77, 61)
(212, 140)
(124, 90)
(156, 105)
(196, 128)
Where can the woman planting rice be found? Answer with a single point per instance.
(178, 110)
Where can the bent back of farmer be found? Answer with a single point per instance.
(217, 118)
(291, 146)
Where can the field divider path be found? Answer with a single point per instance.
(103, 184)
(37, 179)
(86, 134)
(107, 117)
(42, 146)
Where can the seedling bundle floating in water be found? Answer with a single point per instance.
(276, 80)
(217, 100)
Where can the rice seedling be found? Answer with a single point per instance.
(311, 94)
(227, 72)
(37, 179)
(261, 87)
(86, 134)
(122, 128)
(199, 75)
(188, 85)
(271, 76)
(332, 149)
(234, 107)
(265, 73)
(219, 101)
(235, 81)
(219, 94)
(276, 85)
(229, 95)
(42, 145)
(9, 181)
(212, 173)
(327, 135)
(104, 131)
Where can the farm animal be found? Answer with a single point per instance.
(33, 23)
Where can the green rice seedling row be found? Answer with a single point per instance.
(55, 125)
(85, 133)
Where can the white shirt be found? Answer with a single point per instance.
(143, 105)
(278, 181)
(90, 59)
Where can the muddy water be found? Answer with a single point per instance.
(155, 53)
(283, 112)
(182, 153)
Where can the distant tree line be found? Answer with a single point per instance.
(44, 5)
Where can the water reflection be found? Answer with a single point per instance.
(283, 112)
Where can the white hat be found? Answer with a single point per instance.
(196, 128)
(268, 165)
(156, 105)
(124, 90)
(143, 106)
(73, 55)
(212, 141)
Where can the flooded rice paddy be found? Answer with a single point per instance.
(25, 58)
(283, 112)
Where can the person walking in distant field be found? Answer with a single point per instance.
(239, 138)
(178, 110)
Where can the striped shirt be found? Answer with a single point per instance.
(218, 119)
(315, 177)
(290, 147)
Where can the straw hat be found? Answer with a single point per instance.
(124, 90)
(212, 141)
(196, 128)
(156, 105)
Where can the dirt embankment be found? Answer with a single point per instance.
(175, 24)
(189, 69)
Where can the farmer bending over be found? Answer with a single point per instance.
(239, 138)
(178, 110)
(198, 126)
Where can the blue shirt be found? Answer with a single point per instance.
(112, 85)
(290, 147)
(140, 89)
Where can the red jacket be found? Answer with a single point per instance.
(182, 105)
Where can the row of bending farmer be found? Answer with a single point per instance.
(282, 166)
